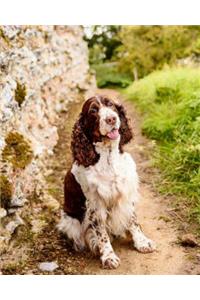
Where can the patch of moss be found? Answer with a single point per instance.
(4, 37)
(46, 37)
(20, 93)
(14, 267)
(17, 150)
(5, 191)
(24, 235)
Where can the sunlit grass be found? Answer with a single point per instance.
(170, 103)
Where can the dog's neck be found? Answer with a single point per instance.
(107, 148)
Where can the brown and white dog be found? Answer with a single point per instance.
(101, 188)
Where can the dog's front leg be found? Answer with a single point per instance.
(96, 225)
(141, 242)
(108, 257)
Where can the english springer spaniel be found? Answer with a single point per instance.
(101, 187)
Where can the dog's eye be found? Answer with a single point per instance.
(109, 103)
(93, 110)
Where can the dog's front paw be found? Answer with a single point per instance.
(145, 245)
(110, 261)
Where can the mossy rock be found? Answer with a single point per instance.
(5, 192)
(17, 150)
(20, 93)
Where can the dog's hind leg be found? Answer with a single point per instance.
(72, 228)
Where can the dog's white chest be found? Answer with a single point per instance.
(113, 179)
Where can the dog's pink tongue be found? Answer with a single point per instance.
(113, 135)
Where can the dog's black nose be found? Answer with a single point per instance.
(111, 120)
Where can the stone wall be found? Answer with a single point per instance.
(42, 68)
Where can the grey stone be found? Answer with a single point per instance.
(12, 210)
(3, 213)
(12, 225)
(48, 266)
(18, 202)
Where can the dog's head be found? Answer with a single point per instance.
(101, 119)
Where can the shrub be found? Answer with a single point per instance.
(108, 74)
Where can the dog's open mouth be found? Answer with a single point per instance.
(113, 134)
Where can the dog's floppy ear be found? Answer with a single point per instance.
(125, 129)
(82, 148)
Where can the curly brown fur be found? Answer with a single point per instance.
(82, 148)
(86, 130)
(125, 128)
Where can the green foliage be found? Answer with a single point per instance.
(170, 102)
(17, 150)
(5, 191)
(107, 74)
(146, 48)
(20, 93)
(102, 42)
(96, 54)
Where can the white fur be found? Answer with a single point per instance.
(72, 228)
(106, 112)
(110, 260)
(141, 242)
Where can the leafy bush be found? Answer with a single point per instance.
(170, 102)
(108, 74)
(146, 48)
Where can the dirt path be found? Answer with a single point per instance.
(154, 213)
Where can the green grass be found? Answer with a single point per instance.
(107, 74)
(170, 103)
